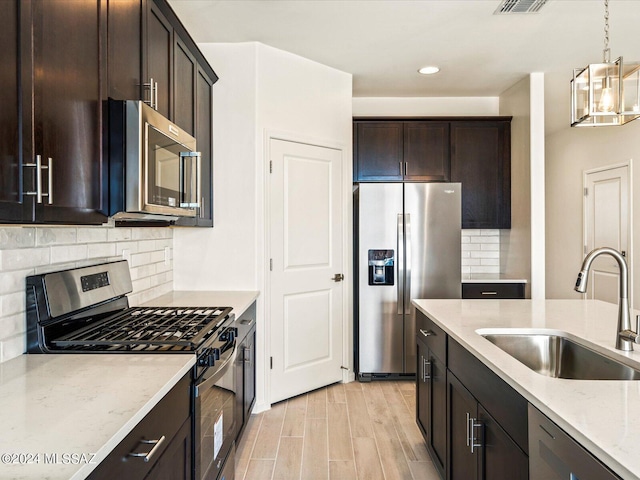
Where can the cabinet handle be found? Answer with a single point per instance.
(426, 333)
(146, 456)
(489, 293)
(406, 168)
(247, 355)
(39, 167)
(153, 97)
(426, 367)
(400, 165)
(473, 441)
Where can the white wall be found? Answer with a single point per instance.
(261, 91)
(424, 106)
(522, 246)
(569, 152)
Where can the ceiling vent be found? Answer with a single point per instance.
(520, 6)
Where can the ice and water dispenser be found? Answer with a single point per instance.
(381, 267)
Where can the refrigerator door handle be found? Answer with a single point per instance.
(407, 259)
(400, 263)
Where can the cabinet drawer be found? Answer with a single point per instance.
(432, 335)
(493, 290)
(555, 455)
(507, 406)
(165, 419)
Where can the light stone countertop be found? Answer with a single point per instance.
(490, 278)
(602, 415)
(78, 404)
(85, 404)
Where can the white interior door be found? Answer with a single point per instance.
(607, 225)
(306, 238)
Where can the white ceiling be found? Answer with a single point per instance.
(383, 42)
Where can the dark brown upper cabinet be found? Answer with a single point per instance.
(170, 74)
(481, 160)
(10, 139)
(473, 151)
(399, 151)
(378, 151)
(51, 83)
(426, 151)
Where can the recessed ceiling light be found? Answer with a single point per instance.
(430, 70)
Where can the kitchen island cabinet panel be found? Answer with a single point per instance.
(462, 462)
(501, 459)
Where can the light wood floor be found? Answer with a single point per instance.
(364, 431)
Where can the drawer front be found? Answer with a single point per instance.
(165, 419)
(432, 335)
(493, 290)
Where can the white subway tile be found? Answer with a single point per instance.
(13, 303)
(92, 234)
(95, 250)
(490, 232)
(466, 270)
(143, 271)
(490, 247)
(141, 284)
(55, 236)
(138, 259)
(485, 254)
(13, 347)
(119, 234)
(471, 261)
(25, 258)
(490, 261)
(131, 246)
(146, 245)
(13, 281)
(485, 269)
(17, 237)
(157, 256)
(68, 253)
(470, 246)
(12, 325)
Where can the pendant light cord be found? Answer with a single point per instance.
(606, 53)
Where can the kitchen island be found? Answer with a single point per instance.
(601, 415)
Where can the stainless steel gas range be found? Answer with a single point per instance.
(86, 310)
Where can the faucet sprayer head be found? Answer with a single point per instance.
(581, 282)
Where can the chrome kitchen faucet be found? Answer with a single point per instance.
(625, 337)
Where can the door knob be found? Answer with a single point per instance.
(338, 277)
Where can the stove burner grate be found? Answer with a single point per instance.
(149, 328)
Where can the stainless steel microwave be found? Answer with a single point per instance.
(154, 168)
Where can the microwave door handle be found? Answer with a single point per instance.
(186, 192)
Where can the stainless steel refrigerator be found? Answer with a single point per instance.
(408, 242)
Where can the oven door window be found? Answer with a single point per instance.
(172, 178)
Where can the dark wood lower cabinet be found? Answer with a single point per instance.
(431, 404)
(175, 463)
(171, 460)
(462, 462)
(501, 459)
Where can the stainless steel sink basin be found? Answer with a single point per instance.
(558, 356)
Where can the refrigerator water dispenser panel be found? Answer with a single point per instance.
(381, 267)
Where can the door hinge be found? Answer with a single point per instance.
(586, 192)
(271, 264)
(270, 166)
(271, 363)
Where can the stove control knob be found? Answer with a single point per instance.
(207, 359)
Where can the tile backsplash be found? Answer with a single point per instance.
(480, 251)
(28, 250)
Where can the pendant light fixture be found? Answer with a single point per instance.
(606, 93)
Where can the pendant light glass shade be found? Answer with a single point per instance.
(605, 94)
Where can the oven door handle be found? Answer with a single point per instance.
(227, 360)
